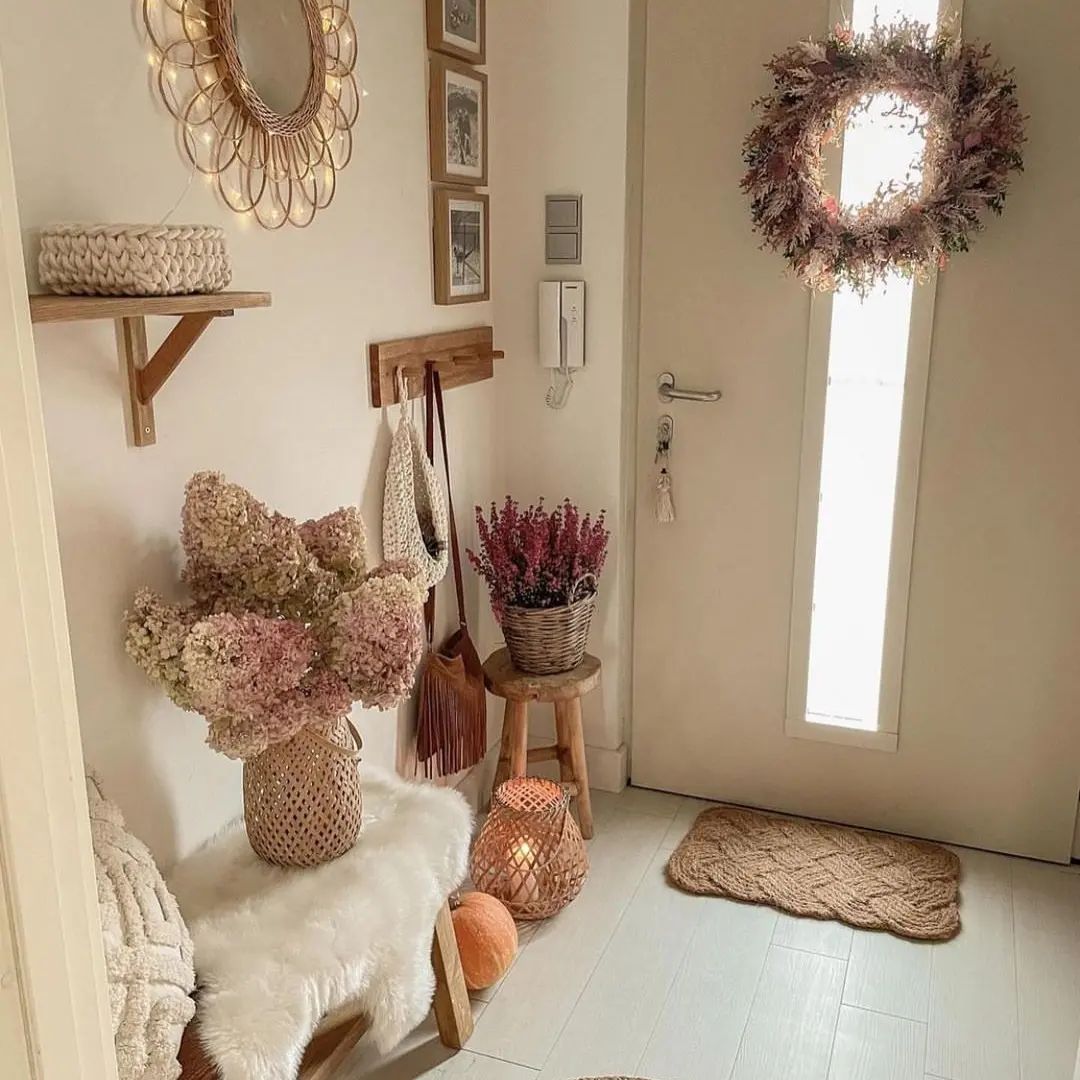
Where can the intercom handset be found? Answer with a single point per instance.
(562, 334)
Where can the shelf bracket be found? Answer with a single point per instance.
(146, 375)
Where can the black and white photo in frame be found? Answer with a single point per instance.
(458, 123)
(458, 28)
(462, 247)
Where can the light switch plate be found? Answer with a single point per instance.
(562, 226)
(563, 247)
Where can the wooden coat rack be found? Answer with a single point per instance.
(146, 375)
(460, 356)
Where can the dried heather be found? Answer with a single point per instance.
(537, 559)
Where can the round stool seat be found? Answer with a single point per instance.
(505, 681)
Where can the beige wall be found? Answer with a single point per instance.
(276, 399)
(559, 85)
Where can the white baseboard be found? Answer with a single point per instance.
(607, 768)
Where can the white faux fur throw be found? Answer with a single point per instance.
(277, 950)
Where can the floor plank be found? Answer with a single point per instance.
(699, 1030)
(889, 975)
(685, 816)
(526, 933)
(973, 1008)
(468, 1066)
(610, 1025)
(821, 936)
(633, 800)
(872, 1046)
(789, 1033)
(420, 1055)
(1047, 908)
(523, 1021)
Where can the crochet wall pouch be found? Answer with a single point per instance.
(414, 502)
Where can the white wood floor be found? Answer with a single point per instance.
(638, 979)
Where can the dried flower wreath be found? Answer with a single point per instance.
(962, 100)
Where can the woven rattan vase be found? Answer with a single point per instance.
(530, 854)
(549, 641)
(302, 797)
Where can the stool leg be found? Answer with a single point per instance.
(502, 770)
(562, 742)
(577, 762)
(517, 716)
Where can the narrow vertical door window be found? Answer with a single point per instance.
(861, 435)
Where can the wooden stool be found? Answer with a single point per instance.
(565, 692)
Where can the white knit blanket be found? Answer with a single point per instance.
(277, 950)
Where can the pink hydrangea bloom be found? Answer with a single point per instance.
(376, 639)
(287, 625)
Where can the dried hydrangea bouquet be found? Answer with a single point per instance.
(287, 628)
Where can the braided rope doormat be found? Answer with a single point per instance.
(864, 879)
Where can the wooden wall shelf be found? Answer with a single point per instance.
(460, 356)
(146, 375)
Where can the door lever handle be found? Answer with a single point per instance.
(668, 391)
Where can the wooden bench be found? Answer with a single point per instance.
(333, 1042)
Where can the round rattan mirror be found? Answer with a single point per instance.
(265, 97)
(276, 51)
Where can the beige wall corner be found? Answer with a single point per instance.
(559, 96)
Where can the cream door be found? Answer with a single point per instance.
(988, 745)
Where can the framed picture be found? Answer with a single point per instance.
(458, 28)
(462, 247)
(459, 123)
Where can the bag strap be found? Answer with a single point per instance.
(455, 550)
(429, 446)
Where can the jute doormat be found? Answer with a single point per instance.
(864, 879)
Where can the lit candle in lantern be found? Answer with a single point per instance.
(523, 883)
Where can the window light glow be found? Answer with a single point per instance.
(864, 401)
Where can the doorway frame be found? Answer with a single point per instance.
(46, 854)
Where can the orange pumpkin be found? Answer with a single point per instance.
(486, 938)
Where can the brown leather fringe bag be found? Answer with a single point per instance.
(451, 730)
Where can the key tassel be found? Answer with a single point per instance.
(665, 504)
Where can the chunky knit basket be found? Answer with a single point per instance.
(302, 802)
(133, 260)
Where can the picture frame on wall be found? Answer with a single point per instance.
(462, 247)
(458, 28)
(458, 121)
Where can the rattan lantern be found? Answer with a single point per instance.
(530, 854)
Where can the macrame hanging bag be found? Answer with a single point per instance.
(451, 727)
(414, 503)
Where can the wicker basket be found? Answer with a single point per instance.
(302, 797)
(133, 260)
(549, 641)
(530, 854)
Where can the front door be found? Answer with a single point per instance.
(985, 633)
